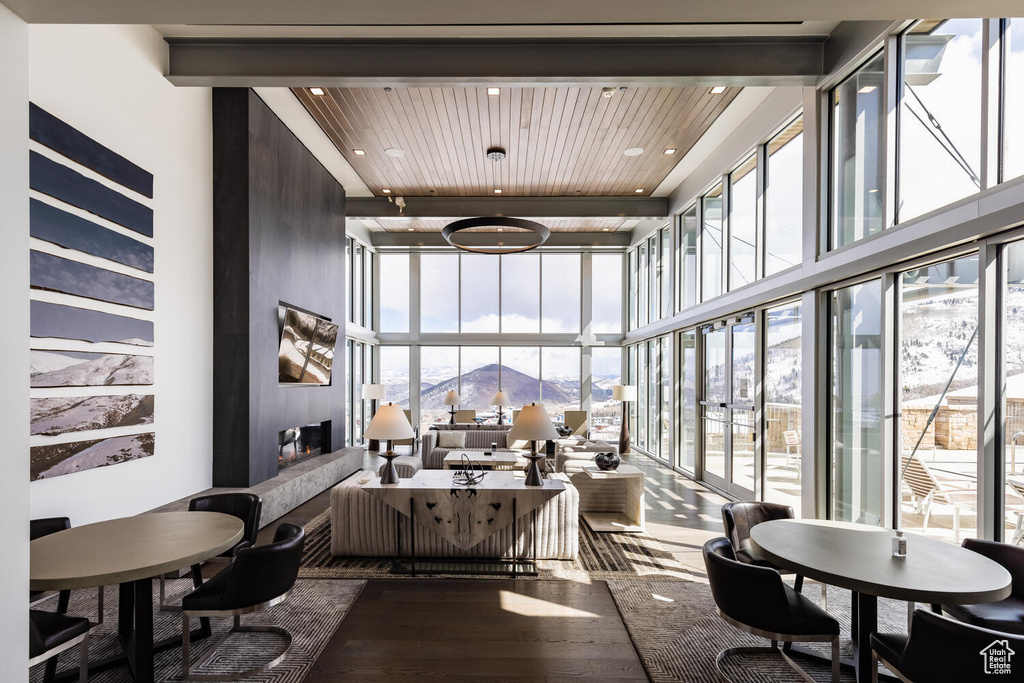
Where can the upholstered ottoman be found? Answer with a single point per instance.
(364, 526)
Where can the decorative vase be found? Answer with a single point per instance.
(606, 461)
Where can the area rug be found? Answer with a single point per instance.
(678, 634)
(602, 556)
(311, 614)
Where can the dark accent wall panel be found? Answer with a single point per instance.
(56, 274)
(71, 322)
(59, 227)
(279, 235)
(49, 131)
(67, 185)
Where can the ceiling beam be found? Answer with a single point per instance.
(547, 207)
(250, 62)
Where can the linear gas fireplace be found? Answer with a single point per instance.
(298, 443)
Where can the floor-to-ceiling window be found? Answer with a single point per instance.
(560, 380)
(605, 373)
(1012, 335)
(1013, 99)
(783, 443)
(711, 245)
(743, 223)
(439, 374)
(743, 350)
(642, 378)
(394, 292)
(521, 376)
(665, 400)
(857, 403)
(478, 290)
(687, 259)
(478, 379)
(938, 427)
(687, 450)
(858, 174)
(784, 199)
(714, 400)
(606, 303)
(940, 118)
(560, 293)
(520, 293)
(439, 293)
(394, 374)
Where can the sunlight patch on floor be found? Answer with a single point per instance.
(526, 606)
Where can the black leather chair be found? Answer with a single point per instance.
(51, 633)
(1006, 615)
(943, 649)
(739, 518)
(260, 577)
(755, 599)
(247, 507)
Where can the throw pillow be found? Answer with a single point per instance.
(451, 439)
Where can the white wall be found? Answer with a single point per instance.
(14, 489)
(108, 82)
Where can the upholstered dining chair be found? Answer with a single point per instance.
(739, 518)
(259, 578)
(1006, 615)
(754, 599)
(247, 507)
(50, 633)
(943, 649)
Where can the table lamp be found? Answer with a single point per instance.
(452, 399)
(624, 393)
(373, 393)
(534, 425)
(501, 400)
(389, 423)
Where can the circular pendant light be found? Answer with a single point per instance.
(541, 233)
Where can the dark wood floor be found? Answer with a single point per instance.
(462, 630)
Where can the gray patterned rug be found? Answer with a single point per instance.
(311, 614)
(678, 634)
(601, 557)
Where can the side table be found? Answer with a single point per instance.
(621, 512)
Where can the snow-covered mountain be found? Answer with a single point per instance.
(52, 416)
(71, 369)
(57, 459)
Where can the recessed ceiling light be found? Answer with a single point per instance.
(670, 150)
(497, 191)
(634, 151)
(386, 191)
(866, 89)
(394, 152)
(412, 230)
(494, 91)
(359, 152)
(316, 91)
(501, 229)
(638, 190)
(604, 229)
(718, 90)
(874, 191)
(607, 92)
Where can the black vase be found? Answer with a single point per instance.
(606, 461)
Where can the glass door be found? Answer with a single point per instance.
(727, 407)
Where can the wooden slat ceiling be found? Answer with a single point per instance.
(561, 141)
(553, 224)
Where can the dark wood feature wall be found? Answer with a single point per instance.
(279, 236)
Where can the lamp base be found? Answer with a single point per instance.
(452, 420)
(624, 432)
(390, 474)
(533, 475)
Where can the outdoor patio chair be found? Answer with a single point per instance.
(926, 490)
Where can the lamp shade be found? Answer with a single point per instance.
(623, 392)
(533, 424)
(373, 391)
(452, 398)
(501, 399)
(389, 422)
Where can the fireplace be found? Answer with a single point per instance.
(298, 443)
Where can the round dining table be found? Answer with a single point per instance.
(130, 551)
(859, 557)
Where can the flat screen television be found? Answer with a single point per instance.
(307, 346)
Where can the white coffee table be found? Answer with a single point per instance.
(500, 459)
(621, 511)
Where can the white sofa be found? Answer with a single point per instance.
(364, 526)
(572, 453)
(478, 437)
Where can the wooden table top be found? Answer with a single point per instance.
(129, 548)
(859, 557)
